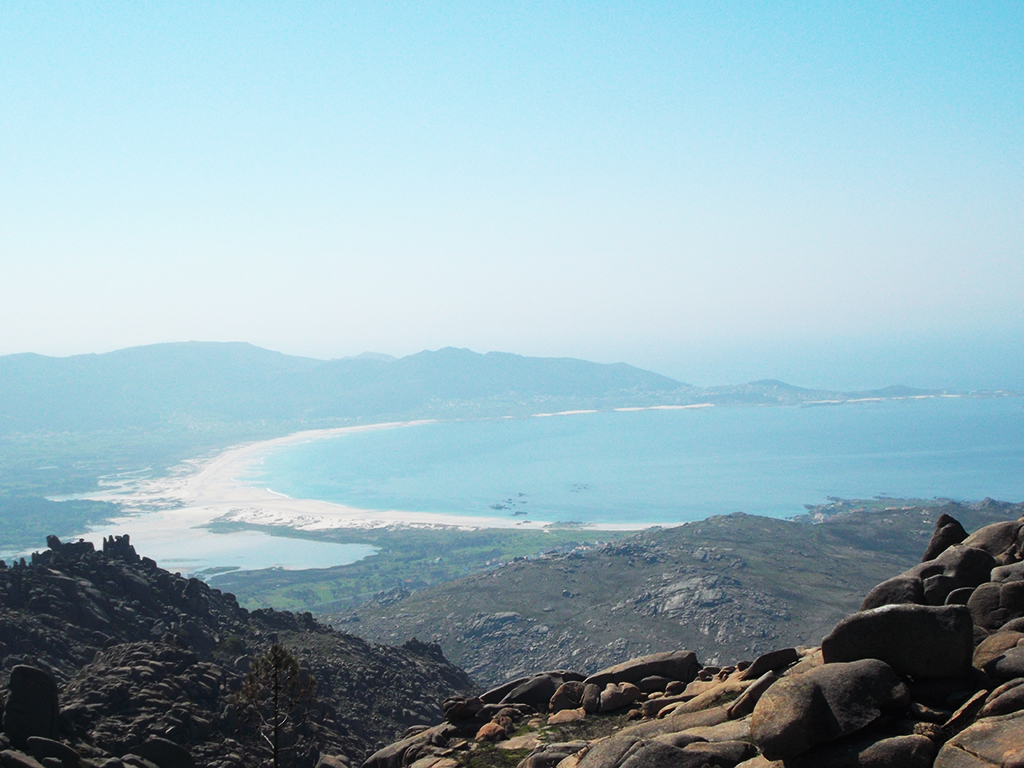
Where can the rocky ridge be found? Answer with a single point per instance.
(104, 653)
(930, 672)
(733, 586)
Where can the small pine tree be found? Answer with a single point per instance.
(276, 696)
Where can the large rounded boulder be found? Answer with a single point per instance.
(917, 640)
(31, 708)
(825, 704)
(673, 665)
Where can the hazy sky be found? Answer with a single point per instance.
(828, 193)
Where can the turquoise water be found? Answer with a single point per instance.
(664, 466)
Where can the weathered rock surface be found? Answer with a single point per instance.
(568, 696)
(1011, 572)
(673, 665)
(911, 751)
(898, 686)
(1001, 540)
(615, 696)
(959, 567)
(916, 640)
(773, 661)
(992, 741)
(825, 704)
(1009, 665)
(538, 690)
(41, 748)
(895, 591)
(992, 605)
(1006, 699)
(995, 646)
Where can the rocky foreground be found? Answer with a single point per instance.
(930, 672)
(111, 661)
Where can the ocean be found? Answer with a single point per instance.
(667, 466)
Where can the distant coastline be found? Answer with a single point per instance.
(655, 466)
(215, 507)
(201, 491)
(215, 489)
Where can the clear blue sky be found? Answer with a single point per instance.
(827, 193)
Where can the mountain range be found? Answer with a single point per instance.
(152, 386)
(65, 422)
(181, 384)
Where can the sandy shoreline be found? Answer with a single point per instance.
(200, 492)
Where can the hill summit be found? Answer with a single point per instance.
(202, 382)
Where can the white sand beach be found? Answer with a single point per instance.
(200, 492)
(167, 517)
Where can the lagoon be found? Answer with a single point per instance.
(195, 551)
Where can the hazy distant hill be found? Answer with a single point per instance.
(66, 422)
(232, 382)
(229, 383)
(146, 386)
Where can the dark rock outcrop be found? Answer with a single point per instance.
(672, 665)
(111, 661)
(895, 591)
(773, 661)
(538, 690)
(146, 663)
(948, 531)
(31, 708)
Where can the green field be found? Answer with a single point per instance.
(407, 560)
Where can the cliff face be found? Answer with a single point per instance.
(138, 652)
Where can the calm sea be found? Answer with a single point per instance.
(665, 466)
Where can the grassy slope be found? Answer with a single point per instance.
(408, 560)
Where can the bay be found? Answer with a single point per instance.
(667, 466)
